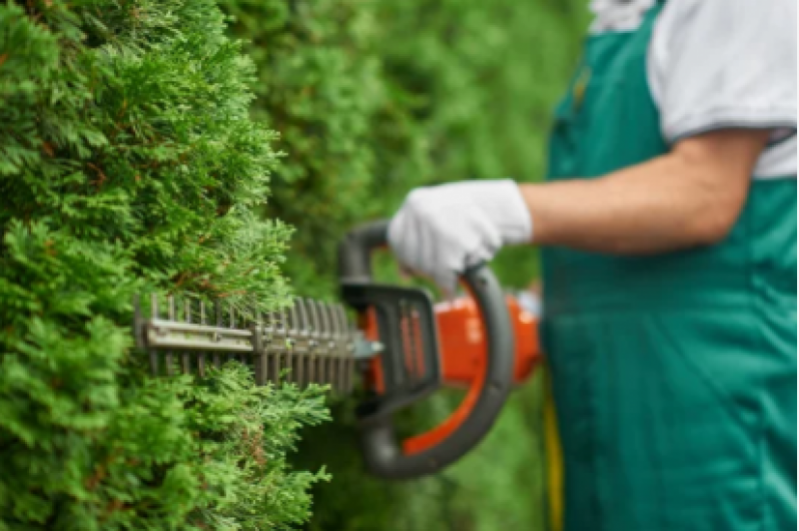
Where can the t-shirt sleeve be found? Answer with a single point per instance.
(717, 64)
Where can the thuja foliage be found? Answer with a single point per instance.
(129, 163)
(373, 98)
(320, 85)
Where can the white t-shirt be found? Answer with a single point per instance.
(717, 64)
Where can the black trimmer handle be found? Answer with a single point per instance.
(387, 457)
(355, 252)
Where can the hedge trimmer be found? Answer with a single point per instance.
(403, 348)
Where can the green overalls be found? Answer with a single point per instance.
(674, 376)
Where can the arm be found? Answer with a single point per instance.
(725, 66)
(688, 197)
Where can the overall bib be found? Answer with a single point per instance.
(674, 376)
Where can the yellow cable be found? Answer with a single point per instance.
(554, 457)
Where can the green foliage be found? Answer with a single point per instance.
(372, 99)
(128, 162)
(320, 85)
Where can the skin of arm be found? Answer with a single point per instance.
(690, 197)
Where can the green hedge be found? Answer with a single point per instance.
(128, 163)
(372, 99)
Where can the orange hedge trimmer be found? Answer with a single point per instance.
(404, 348)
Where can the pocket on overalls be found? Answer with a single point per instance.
(598, 121)
(588, 124)
(564, 153)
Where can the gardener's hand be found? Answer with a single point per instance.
(440, 231)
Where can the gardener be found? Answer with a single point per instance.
(668, 231)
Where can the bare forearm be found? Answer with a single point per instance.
(672, 202)
(638, 210)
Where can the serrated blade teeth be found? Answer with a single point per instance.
(312, 339)
(302, 315)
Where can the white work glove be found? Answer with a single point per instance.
(440, 231)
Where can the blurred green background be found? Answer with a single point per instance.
(373, 98)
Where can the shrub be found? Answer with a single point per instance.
(128, 163)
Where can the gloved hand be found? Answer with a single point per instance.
(440, 231)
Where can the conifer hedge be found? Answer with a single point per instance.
(128, 163)
(138, 145)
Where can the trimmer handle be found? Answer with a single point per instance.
(355, 252)
(429, 452)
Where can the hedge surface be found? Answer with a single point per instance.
(137, 149)
(128, 163)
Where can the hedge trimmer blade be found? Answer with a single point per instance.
(311, 341)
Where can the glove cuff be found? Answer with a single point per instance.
(502, 201)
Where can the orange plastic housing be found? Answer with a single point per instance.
(462, 341)
(463, 359)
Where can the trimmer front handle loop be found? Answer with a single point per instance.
(409, 367)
